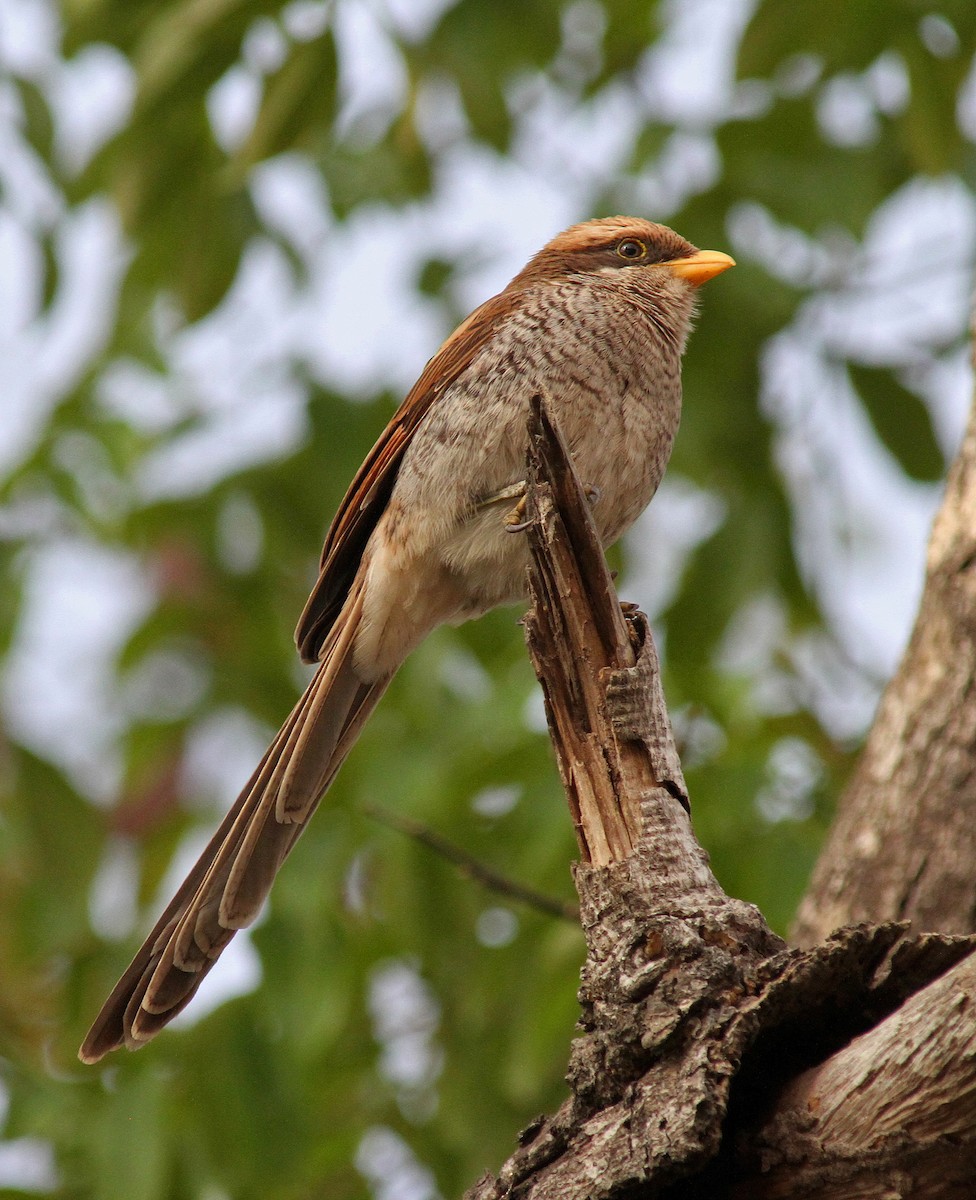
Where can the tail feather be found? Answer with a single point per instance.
(339, 694)
(168, 986)
(227, 886)
(254, 871)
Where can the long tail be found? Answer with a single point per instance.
(227, 886)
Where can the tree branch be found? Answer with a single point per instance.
(892, 1114)
(903, 843)
(694, 1014)
(595, 671)
(471, 867)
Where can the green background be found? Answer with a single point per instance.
(407, 1022)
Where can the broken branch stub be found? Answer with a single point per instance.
(599, 671)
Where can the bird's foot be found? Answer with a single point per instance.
(515, 519)
(515, 522)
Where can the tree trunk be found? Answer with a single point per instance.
(903, 845)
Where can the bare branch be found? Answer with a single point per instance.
(599, 672)
(471, 867)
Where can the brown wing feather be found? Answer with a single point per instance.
(368, 493)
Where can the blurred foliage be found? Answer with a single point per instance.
(271, 1094)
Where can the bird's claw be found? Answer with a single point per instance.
(516, 521)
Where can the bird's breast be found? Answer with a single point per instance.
(614, 389)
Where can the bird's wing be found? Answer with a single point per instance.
(225, 889)
(369, 492)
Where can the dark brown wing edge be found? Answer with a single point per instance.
(369, 492)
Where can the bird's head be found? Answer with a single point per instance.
(627, 244)
(652, 267)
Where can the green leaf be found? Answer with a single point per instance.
(901, 420)
(932, 138)
(485, 47)
(829, 29)
(298, 105)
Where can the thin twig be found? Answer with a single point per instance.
(471, 867)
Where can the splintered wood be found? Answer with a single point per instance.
(598, 673)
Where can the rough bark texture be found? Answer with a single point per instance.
(903, 846)
(893, 1113)
(708, 1050)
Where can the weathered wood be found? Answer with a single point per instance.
(695, 1016)
(575, 631)
(892, 1114)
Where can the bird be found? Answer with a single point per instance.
(427, 534)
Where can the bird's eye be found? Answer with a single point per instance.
(631, 249)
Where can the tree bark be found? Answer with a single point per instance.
(892, 1114)
(713, 1060)
(903, 844)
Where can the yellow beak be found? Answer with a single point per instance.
(699, 268)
